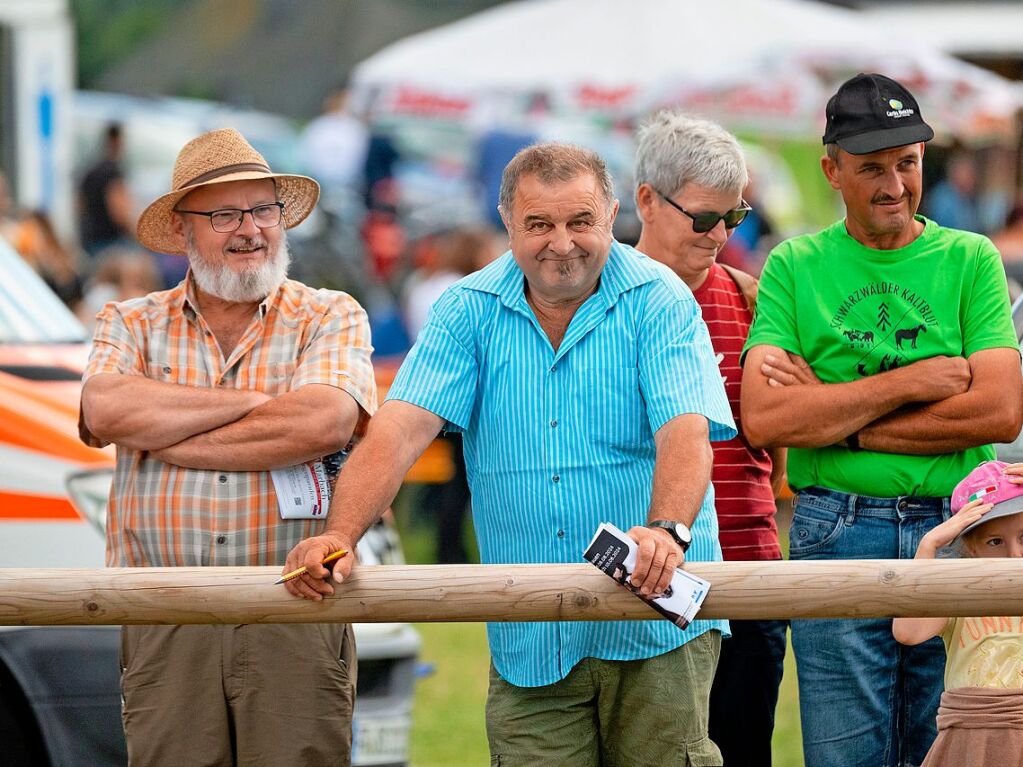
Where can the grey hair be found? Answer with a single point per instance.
(554, 162)
(676, 149)
(831, 150)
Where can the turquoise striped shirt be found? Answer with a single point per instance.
(558, 441)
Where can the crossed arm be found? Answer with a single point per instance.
(937, 405)
(226, 429)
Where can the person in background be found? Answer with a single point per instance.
(106, 215)
(584, 383)
(690, 176)
(121, 273)
(241, 384)
(442, 259)
(334, 144)
(883, 356)
(37, 242)
(1009, 241)
(953, 202)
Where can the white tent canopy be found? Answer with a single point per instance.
(765, 65)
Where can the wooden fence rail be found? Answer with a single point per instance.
(832, 589)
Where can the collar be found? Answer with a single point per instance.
(626, 268)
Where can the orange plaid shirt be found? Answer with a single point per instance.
(163, 515)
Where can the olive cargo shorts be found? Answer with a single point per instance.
(274, 694)
(635, 713)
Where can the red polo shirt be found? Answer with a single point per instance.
(742, 474)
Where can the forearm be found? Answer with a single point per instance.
(818, 415)
(941, 427)
(294, 428)
(913, 631)
(784, 404)
(142, 414)
(991, 410)
(397, 436)
(683, 468)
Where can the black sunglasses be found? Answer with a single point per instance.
(704, 222)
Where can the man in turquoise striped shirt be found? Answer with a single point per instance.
(586, 387)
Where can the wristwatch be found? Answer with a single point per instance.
(678, 530)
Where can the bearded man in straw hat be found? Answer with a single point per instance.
(206, 388)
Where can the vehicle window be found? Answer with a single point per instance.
(30, 313)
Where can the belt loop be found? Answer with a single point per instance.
(850, 508)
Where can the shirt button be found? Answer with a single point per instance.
(561, 533)
(554, 422)
(553, 368)
(221, 539)
(222, 478)
(556, 478)
(166, 369)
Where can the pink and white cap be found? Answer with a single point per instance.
(989, 483)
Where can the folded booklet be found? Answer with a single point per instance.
(614, 552)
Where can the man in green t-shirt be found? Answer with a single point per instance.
(884, 355)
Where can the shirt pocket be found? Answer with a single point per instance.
(160, 367)
(615, 410)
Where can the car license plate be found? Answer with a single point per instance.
(380, 739)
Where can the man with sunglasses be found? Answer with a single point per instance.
(218, 392)
(690, 175)
(883, 355)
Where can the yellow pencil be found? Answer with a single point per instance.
(299, 571)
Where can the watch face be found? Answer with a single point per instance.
(683, 532)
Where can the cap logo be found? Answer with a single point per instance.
(981, 493)
(897, 110)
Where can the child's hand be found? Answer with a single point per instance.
(946, 532)
(1014, 471)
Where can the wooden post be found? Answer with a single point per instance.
(817, 589)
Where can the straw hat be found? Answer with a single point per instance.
(216, 158)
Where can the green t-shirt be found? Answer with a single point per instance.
(852, 311)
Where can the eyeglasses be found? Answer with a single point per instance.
(230, 219)
(704, 222)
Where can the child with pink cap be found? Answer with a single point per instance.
(980, 719)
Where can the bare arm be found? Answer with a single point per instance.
(913, 631)
(991, 410)
(142, 414)
(681, 477)
(397, 435)
(295, 427)
(818, 415)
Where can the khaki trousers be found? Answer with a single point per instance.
(246, 695)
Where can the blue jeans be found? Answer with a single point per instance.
(864, 699)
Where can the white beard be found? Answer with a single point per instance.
(253, 284)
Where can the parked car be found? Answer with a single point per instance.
(59, 686)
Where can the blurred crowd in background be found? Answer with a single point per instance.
(395, 250)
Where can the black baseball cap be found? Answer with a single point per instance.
(873, 112)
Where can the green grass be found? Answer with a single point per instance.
(448, 727)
